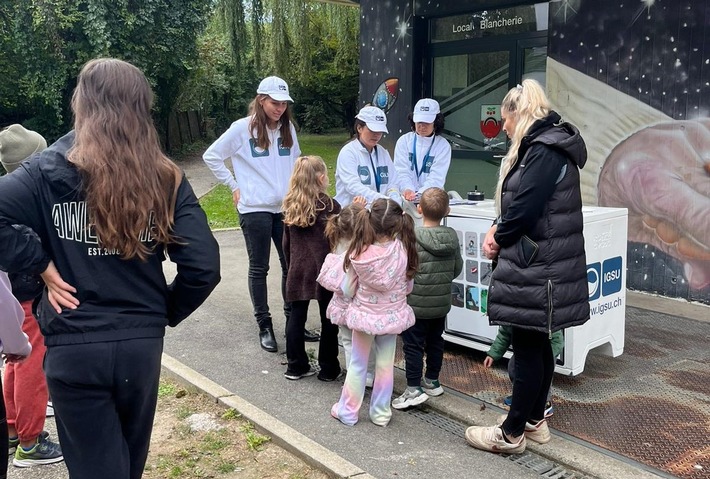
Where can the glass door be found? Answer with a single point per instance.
(470, 87)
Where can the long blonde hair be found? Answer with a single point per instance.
(129, 184)
(306, 192)
(258, 126)
(528, 103)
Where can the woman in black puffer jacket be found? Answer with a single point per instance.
(540, 283)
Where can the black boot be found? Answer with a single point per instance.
(267, 340)
(310, 336)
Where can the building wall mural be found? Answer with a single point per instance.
(635, 77)
(386, 54)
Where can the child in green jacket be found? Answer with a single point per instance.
(500, 346)
(440, 262)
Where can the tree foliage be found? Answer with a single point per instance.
(205, 55)
(313, 45)
(45, 43)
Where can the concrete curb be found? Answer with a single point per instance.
(284, 436)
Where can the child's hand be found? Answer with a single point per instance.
(360, 200)
(488, 362)
(14, 358)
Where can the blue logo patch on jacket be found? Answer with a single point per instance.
(283, 151)
(383, 173)
(364, 173)
(256, 153)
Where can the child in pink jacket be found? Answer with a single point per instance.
(380, 264)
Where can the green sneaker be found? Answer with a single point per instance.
(44, 452)
(432, 387)
(13, 442)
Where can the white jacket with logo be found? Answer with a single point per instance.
(354, 175)
(261, 176)
(433, 173)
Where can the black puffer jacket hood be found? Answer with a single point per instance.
(560, 135)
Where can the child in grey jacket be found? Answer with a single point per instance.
(440, 262)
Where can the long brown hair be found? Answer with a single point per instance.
(258, 126)
(384, 219)
(129, 184)
(341, 227)
(306, 192)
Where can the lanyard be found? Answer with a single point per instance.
(414, 156)
(374, 169)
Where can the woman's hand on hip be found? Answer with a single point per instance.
(59, 293)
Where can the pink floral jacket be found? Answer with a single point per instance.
(333, 278)
(379, 304)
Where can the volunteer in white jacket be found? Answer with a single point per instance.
(422, 157)
(364, 167)
(263, 149)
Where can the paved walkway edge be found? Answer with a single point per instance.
(284, 436)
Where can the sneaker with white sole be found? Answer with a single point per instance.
(549, 409)
(491, 439)
(43, 452)
(432, 387)
(412, 396)
(293, 377)
(13, 442)
(50, 409)
(539, 433)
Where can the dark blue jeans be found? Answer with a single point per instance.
(259, 230)
(423, 337)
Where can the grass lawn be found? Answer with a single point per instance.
(218, 202)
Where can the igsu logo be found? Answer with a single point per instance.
(424, 108)
(604, 278)
(379, 118)
(283, 88)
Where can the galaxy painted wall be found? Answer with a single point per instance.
(634, 76)
(387, 52)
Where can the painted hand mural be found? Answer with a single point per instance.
(661, 174)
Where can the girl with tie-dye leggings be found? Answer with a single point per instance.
(380, 263)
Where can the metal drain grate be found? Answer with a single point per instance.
(544, 467)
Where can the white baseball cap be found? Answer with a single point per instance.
(425, 111)
(275, 87)
(374, 118)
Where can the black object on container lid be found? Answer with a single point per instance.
(475, 195)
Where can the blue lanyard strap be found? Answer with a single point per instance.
(374, 168)
(416, 169)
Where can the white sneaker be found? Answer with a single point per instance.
(50, 409)
(370, 380)
(491, 439)
(540, 432)
(412, 396)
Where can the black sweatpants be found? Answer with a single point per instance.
(295, 346)
(104, 397)
(533, 376)
(423, 337)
